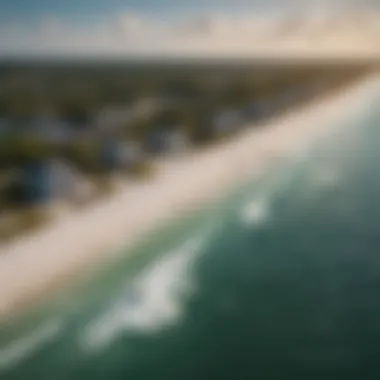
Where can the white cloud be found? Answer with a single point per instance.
(129, 23)
(132, 34)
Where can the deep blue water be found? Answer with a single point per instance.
(279, 280)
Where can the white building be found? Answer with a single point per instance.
(49, 129)
(67, 183)
(226, 122)
(111, 119)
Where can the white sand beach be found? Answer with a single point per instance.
(79, 242)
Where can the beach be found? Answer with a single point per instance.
(80, 242)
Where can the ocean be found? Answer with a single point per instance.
(279, 279)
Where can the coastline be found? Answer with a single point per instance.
(47, 260)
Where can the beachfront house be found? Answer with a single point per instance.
(113, 119)
(49, 129)
(167, 141)
(260, 109)
(148, 106)
(176, 141)
(34, 186)
(117, 154)
(46, 181)
(226, 122)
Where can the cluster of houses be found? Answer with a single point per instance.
(46, 180)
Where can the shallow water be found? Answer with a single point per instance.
(278, 281)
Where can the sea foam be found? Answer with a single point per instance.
(151, 302)
(255, 212)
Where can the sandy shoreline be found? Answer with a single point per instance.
(74, 244)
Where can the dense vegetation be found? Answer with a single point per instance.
(182, 98)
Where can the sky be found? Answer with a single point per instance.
(133, 27)
(68, 8)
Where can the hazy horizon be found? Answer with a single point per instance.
(158, 28)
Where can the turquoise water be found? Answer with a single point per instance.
(278, 280)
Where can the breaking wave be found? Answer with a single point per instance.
(151, 302)
(255, 212)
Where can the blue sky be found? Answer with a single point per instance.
(122, 26)
(29, 13)
(72, 10)
(30, 9)
(69, 7)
